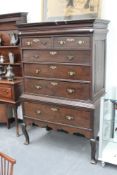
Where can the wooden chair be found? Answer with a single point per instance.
(6, 164)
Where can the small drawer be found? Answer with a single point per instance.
(58, 71)
(58, 114)
(81, 57)
(71, 90)
(5, 92)
(72, 42)
(40, 43)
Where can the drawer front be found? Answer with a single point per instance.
(58, 114)
(72, 43)
(40, 43)
(57, 71)
(69, 90)
(81, 57)
(5, 92)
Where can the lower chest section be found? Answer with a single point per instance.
(71, 119)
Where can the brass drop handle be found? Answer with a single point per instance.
(54, 109)
(36, 56)
(5, 91)
(54, 83)
(68, 117)
(70, 91)
(61, 42)
(70, 57)
(80, 42)
(44, 43)
(53, 53)
(38, 112)
(28, 43)
(36, 40)
(38, 87)
(37, 71)
(53, 67)
(71, 73)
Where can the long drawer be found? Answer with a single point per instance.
(58, 114)
(71, 90)
(81, 57)
(58, 71)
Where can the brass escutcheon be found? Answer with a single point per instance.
(28, 43)
(71, 73)
(61, 42)
(54, 83)
(70, 39)
(68, 117)
(53, 53)
(54, 109)
(38, 112)
(36, 40)
(53, 67)
(38, 87)
(80, 42)
(37, 71)
(70, 57)
(70, 91)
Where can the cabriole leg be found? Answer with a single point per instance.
(25, 134)
(93, 150)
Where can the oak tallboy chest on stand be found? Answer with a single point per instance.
(64, 75)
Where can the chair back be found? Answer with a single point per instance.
(6, 164)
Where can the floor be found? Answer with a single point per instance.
(50, 153)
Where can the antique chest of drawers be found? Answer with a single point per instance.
(64, 75)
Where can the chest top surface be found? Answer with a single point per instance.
(76, 26)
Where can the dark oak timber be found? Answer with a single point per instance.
(10, 91)
(25, 134)
(64, 75)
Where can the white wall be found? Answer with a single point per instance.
(33, 7)
(108, 11)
